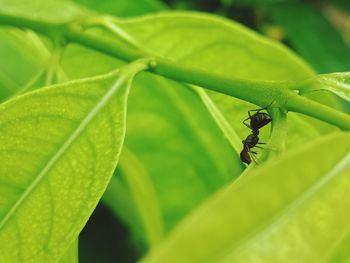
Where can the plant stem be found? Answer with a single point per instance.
(319, 111)
(279, 129)
(45, 28)
(260, 93)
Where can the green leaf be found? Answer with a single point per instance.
(23, 58)
(289, 210)
(59, 147)
(336, 83)
(50, 11)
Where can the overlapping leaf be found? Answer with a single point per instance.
(336, 83)
(290, 210)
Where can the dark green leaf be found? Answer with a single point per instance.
(313, 36)
(124, 7)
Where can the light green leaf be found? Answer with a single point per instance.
(337, 83)
(294, 209)
(59, 147)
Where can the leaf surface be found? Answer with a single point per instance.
(59, 147)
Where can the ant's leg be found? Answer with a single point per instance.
(252, 156)
(249, 112)
(267, 106)
(258, 110)
(250, 117)
(261, 143)
(257, 146)
(246, 124)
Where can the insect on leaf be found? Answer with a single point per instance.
(58, 149)
(228, 49)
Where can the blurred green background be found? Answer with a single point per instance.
(319, 31)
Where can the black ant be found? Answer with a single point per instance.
(257, 121)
